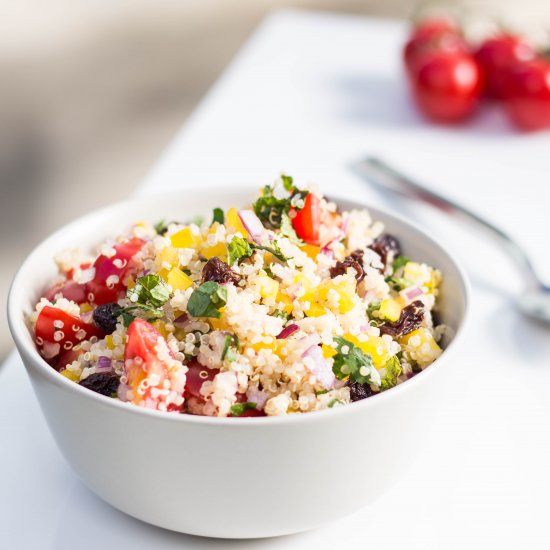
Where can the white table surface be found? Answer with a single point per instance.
(308, 94)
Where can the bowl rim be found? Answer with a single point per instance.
(17, 325)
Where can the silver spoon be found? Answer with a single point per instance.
(534, 301)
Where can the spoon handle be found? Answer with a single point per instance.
(385, 177)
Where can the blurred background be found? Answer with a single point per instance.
(92, 91)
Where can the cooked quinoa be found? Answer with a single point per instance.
(287, 305)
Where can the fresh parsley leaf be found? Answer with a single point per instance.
(218, 216)
(287, 230)
(321, 392)
(393, 371)
(230, 341)
(352, 361)
(281, 314)
(207, 300)
(269, 271)
(400, 261)
(239, 408)
(333, 402)
(161, 227)
(270, 209)
(127, 318)
(238, 249)
(398, 283)
(275, 250)
(287, 182)
(150, 293)
(372, 307)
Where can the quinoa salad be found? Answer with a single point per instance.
(285, 305)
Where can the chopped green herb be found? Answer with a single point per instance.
(321, 392)
(218, 216)
(352, 361)
(239, 408)
(282, 314)
(287, 182)
(127, 318)
(269, 271)
(150, 293)
(230, 341)
(238, 249)
(275, 250)
(161, 227)
(400, 261)
(187, 272)
(372, 307)
(207, 300)
(333, 402)
(287, 230)
(399, 283)
(393, 371)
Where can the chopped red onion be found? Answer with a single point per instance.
(320, 368)
(104, 364)
(411, 292)
(181, 320)
(253, 225)
(259, 397)
(287, 331)
(50, 349)
(124, 392)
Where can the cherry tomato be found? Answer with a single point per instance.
(71, 290)
(432, 36)
(56, 331)
(447, 87)
(306, 221)
(152, 372)
(528, 94)
(496, 56)
(67, 357)
(251, 412)
(107, 284)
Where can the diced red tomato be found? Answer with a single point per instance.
(67, 357)
(151, 368)
(196, 376)
(56, 331)
(251, 412)
(71, 290)
(107, 284)
(306, 221)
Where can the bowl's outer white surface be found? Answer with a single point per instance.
(238, 478)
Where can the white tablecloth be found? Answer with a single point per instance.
(309, 94)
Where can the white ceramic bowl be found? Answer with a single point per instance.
(225, 477)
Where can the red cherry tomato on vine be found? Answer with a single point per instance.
(432, 36)
(447, 87)
(306, 221)
(528, 94)
(496, 56)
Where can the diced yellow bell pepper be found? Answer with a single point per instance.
(185, 239)
(85, 307)
(218, 250)
(163, 273)
(70, 375)
(328, 351)
(373, 345)
(286, 301)
(161, 327)
(390, 310)
(307, 285)
(267, 287)
(345, 289)
(264, 345)
(178, 280)
(233, 221)
(316, 310)
(109, 342)
(422, 345)
(311, 250)
(170, 256)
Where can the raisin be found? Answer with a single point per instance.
(355, 260)
(409, 320)
(359, 391)
(218, 271)
(105, 317)
(387, 247)
(105, 383)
